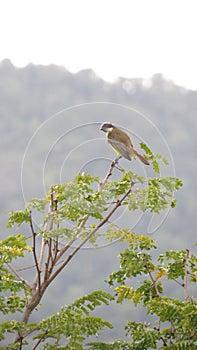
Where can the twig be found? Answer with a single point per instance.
(49, 258)
(152, 279)
(109, 173)
(26, 268)
(55, 241)
(40, 340)
(55, 249)
(48, 226)
(68, 245)
(34, 252)
(174, 330)
(18, 275)
(163, 340)
(179, 283)
(185, 273)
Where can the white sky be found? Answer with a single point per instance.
(130, 38)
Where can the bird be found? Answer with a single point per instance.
(121, 142)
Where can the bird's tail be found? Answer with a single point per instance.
(143, 160)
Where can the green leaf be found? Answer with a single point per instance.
(146, 149)
(156, 166)
(36, 203)
(18, 217)
(74, 321)
(143, 336)
(154, 158)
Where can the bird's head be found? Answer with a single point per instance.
(107, 127)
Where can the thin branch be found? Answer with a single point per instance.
(109, 173)
(55, 241)
(40, 340)
(49, 223)
(18, 275)
(174, 330)
(26, 268)
(152, 279)
(185, 273)
(55, 249)
(163, 340)
(179, 283)
(68, 245)
(48, 226)
(34, 252)
(49, 258)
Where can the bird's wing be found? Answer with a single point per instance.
(120, 148)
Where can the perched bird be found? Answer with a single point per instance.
(121, 142)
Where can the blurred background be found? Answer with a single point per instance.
(64, 69)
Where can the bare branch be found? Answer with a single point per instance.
(48, 226)
(18, 275)
(179, 283)
(109, 173)
(68, 245)
(34, 252)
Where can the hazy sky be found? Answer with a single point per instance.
(113, 37)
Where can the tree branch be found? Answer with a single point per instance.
(68, 245)
(70, 256)
(83, 222)
(48, 226)
(163, 340)
(34, 252)
(40, 340)
(152, 279)
(185, 273)
(18, 276)
(174, 330)
(109, 173)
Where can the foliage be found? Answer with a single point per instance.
(175, 319)
(11, 248)
(153, 158)
(74, 322)
(89, 204)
